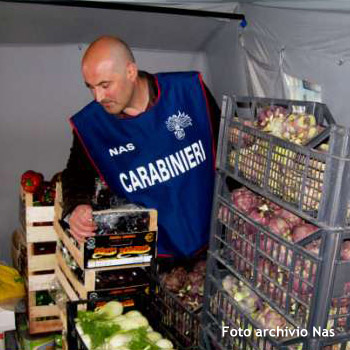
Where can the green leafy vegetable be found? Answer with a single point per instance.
(140, 341)
(97, 326)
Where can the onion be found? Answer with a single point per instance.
(273, 206)
(302, 231)
(345, 251)
(301, 274)
(224, 214)
(313, 247)
(279, 226)
(244, 200)
(291, 218)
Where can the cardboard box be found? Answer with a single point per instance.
(115, 248)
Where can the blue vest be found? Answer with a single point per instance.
(162, 159)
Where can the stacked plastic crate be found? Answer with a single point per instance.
(259, 276)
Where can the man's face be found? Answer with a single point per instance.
(112, 88)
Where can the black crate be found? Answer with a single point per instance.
(223, 311)
(304, 180)
(142, 303)
(179, 320)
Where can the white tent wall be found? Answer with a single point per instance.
(41, 86)
(308, 44)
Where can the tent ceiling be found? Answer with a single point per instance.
(24, 23)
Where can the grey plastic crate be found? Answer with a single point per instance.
(308, 289)
(309, 182)
(224, 310)
(331, 344)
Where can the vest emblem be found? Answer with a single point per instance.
(177, 124)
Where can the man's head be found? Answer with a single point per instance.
(110, 72)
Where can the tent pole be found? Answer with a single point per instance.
(132, 7)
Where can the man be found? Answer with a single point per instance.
(150, 139)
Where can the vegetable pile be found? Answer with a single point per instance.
(187, 285)
(107, 328)
(291, 176)
(244, 237)
(264, 315)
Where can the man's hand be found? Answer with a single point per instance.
(81, 224)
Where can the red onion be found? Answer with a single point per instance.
(345, 251)
(302, 231)
(313, 247)
(301, 274)
(224, 214)
(279, 226)
(291, 218)
(244, 200)
(269, 113)
(273, 206)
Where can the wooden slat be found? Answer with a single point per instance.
(40, 282)
(76, 253)
(37, 234)
(78, 286)
(41, 262)
(65, 284)
(58, 210)
(64, 343)
(59, 197)
(63, 318)
(39, 214)
(36, 327)
(44, 311)
(31, 299)
(153, 222)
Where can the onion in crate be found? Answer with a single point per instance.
(244, 200)
(345, 251)
(279, 226)
(302, 231)
(261, 215)
(291, 218)
(303, 282)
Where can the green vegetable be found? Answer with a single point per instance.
(97, 326)
(164, 344)
(119, 340)
(140, 340)
(154, 336)
(111, 309)
(133, 313)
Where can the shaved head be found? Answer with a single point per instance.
(110, 72)
(108, 48)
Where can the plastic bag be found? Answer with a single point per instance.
(11, 286)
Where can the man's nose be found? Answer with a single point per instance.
(98, 94)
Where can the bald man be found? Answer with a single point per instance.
(150, 139)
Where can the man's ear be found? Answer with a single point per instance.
(131, 71)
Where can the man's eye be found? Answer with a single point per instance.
(105, 85)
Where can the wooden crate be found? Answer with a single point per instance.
(36, 313)
(19, 251)
(37, 221)
(86, 289)
(70, 294)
